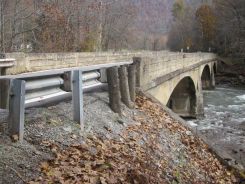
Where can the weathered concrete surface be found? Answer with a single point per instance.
(162, 79)
(4, 64)
(30, 62)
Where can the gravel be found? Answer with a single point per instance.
(20, 161)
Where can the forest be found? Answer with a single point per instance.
(101, 25)
(82, 25)
(217, 26)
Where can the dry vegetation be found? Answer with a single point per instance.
(82, 25)
(141, 155)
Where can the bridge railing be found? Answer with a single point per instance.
(31, 62)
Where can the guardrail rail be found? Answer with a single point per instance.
(22, 91)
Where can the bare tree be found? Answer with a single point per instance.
(231, 26)
(82, 25)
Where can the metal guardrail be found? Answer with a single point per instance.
(5, 63)
(49, 87)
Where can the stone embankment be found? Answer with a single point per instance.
(144, 145)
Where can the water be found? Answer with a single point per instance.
(224, 123)
(223, 107)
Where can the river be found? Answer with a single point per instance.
(223, 126)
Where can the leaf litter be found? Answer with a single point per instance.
(157, 149)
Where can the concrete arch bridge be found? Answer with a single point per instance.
(175, 79)
(178, 81)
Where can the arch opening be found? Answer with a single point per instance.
(206, 78)
(183, 99)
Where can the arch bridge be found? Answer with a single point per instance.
(178, 81)
(175, 79)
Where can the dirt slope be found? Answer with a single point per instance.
(145, 145)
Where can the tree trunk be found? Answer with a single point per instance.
(114, 90)
(124, 87)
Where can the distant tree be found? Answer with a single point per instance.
(55, 32)
(194, 26)
(230, 26)
(206, 25)
(16, 24)
(116, 22)
(182, 33)
(83, 25)
(178, 9)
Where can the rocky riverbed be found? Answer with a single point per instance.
(144, 145)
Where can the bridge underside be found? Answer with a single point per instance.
(207, 83)
(183, 99)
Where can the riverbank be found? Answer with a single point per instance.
(231, 73)
(145, 145)
(223, 125)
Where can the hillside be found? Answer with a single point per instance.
(145, 145)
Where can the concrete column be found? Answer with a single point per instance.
(212, 78)
(139, 70)
(199, 99)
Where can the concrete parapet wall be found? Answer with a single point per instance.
(30, 62)
(155, 63)
(153, 67)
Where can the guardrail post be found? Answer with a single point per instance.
(124, 87)
(103, 77)
(77, 97)
(67, 77)
(114, 89)
(17, 108)
(132, 81)
(139, 70)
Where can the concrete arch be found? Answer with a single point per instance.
(206, 78)
(163, 91)
(184, 86)
(183, 99)
(172, 84)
